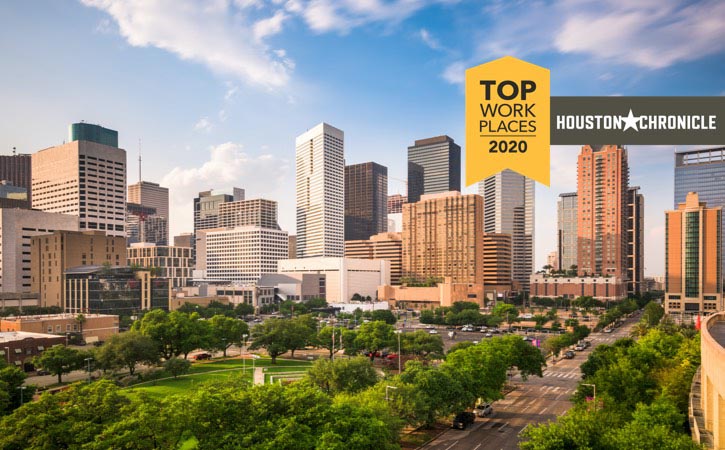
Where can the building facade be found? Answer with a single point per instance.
(320, 159)
(170, 262)
(601, 288)
(206, 211)
(567, 230)
(295, 286)
(17, 228)
(508, 207)
(93, 327)
(52, 254)
(445, 293)
(497, 259)
(387, 246)
(84, 179)
(143, 224)
(693, 258)
(395, 203)
(434, 166)
(366, 200)
(635, 241)
(184, 240)
(701, 171)
(256, 212)
(17, 171)
(154, 196)
(19, 348)
(442, 238)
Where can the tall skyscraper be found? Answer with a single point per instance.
(602, 188)
(497, 262)
(148, 194)
(635, 240)
(693, 262)
(144, 225)
(83, 178)
(434, 165)
(567, 234)
(206, 211)
(508, 203)
(366, 200)
(257, 212)
(701, 171)
(320, 158)
(442, 237)
(17, 170)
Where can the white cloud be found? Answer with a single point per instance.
(223, 115)
(455, 73)
(204, 124)
(231, 91)
(269, 26)
(429, 40)
(208, 32)
(227, 166)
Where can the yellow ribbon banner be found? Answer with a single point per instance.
(507, 120)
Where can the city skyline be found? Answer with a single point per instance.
(214, 126)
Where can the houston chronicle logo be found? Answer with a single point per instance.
(636, 123)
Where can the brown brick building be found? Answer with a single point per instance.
(442, 237)
(18, 348)
(600, 288)
(388, 246)
(93, 327)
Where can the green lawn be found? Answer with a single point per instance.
(203, 372)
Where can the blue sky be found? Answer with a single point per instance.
(217, 90)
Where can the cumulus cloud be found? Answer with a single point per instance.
(342, 15)
(269, 26)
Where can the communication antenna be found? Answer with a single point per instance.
(139, 160)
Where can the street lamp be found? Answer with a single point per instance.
(22, 388)
(88, 362)
(387, 398)
(594, 386)
(7, 353)
(400, 367)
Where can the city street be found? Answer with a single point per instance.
(534, 401)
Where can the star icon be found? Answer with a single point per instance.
(630, 121)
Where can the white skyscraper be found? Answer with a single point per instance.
(508, 207)
(320, 192)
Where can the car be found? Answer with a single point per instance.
(608, 330)
(579, 347)
(433, 331)
(463, 419)
(202, 356)
(569, 354)
(488, 335)
(40, 372)
(483, 410)
(467, 328)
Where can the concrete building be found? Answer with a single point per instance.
(152, 195)
(293, 247)
(184, 240)
(366, 200)
(395, 222)
(240, 255)
(443, 294)
(552, 259)
(114, 290)
(344, 277)
(567, 230)
(600, 288)
(635, 241)
(93, 327)
(508, 207)
(206, 211)
(387, 246)
(442, 238)
(256, 212)
(257, 296)
(320, 157)
(602, 191)
(707, 407)
(295, 286)
(13, 196)
(702, 171)
(143, 224)
(395, 203)
(497, 265)
(170, 262)
(19, 348)
(84, 179)
(52, 254)
(693, 259)
(17, 227)
(434, 166)
(17, 171)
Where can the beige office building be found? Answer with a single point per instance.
(442, 237)
(151, 195)
(52, 254)
(497, 265)
(170, 262)
(257, 212)
(387, 246)
(84, 179)
(17, 228)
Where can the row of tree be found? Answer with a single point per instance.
(462, 313)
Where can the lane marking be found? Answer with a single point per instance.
(450, 446)
(476, 448)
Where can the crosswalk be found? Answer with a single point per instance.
(563, 375)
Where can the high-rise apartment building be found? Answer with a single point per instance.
(387, 246)
(508, 203)
(566, 230)
(434, 165)
(173, 263)
(17, 228)
(17, 171)
(52, 254)
(693, 261)
(602, 211)
(320, 159)
(442, 237)
(635, 241)
(701, 171)
(366, 200)
(85, 179)
(151, 195)
(497, 260)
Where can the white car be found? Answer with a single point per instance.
(433, 331)
(483, 410)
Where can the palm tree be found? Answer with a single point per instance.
(81, 319)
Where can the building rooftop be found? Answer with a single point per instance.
(44, 317)
(12, 336)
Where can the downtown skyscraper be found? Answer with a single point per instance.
(434, 166)
(508, 207)
(320, 169)
(366, 200)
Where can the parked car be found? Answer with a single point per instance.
(42, 372)
(569, 354)
(467, 328)
(488, 335)
(608, 330)
(463, 419)
(202, 356)
(483, 410)
(579, 347)
(433, 331)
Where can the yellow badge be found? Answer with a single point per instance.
(507, 120)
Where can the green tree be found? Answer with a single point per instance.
(243, 309)
(375, 336)
(11, 379)
(506, 311)
(325, 339)
(175, 333)
(277, 335)
(59, 360)
(436, 393)
(177, 366)
(421, 343)
(127, 350)
(342, 375)
(385, 315)
(652, 314)
(224, 332)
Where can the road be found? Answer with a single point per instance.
(534, 401)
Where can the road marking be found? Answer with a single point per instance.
(476, 448)
(500, 430)
(544, 410)
(450, 446)
(522, 430)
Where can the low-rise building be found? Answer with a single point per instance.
(387, 246)
(443, 294)
(93, 327)
(180, 300)
(18, 348)
(344, 277)
(600, 288)
(170, 262)
(295, 286)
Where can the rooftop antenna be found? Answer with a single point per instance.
(13, 151)
(139, 160)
